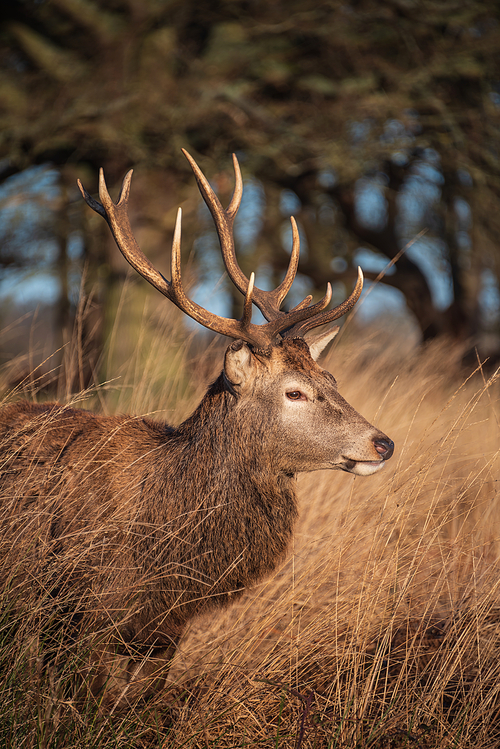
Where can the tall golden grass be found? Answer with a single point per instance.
(382, 628)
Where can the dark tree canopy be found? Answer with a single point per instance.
(333, 107)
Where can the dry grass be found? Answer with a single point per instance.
(382, 629)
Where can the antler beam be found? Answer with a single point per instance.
(294, 323)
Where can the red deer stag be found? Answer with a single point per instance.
(137, 526)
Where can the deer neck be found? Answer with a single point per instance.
(224, 440)
(226, 517)
(235, 480)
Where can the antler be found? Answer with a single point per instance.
(269, 302)
(294, 323)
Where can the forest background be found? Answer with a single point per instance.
(369, 121)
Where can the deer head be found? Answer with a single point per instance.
(274, 362)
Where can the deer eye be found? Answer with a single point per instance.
(296, 395)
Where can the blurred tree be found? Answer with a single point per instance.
(370, 120)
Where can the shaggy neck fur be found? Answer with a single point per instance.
(230, 513)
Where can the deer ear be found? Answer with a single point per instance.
(238, 363)
(319, 341)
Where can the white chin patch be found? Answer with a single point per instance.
(362, 468)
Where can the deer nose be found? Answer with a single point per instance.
(384, 447)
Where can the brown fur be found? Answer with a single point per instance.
(137, 527)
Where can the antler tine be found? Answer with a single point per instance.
(223, 219)
(235, 203)
(303, 304)
(269, 302)
(298, 314)
(299, 329)
(175, 256)
(282, 290)
(247, 309)
(176, 294)
(117, 217)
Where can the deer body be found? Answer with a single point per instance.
(148, 525)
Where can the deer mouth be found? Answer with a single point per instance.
(363, 467)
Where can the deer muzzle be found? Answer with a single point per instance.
(384, 447)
